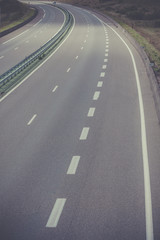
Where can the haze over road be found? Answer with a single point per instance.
(74, 163)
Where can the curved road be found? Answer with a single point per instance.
(15, 47)
(74, 163)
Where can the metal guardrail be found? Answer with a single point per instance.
(32, 60)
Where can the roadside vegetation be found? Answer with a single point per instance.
(12, 13)
(141, 18)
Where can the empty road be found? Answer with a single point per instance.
(80, 139)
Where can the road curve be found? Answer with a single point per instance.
(71, 143)
(14, 48)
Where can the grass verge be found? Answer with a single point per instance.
(152, 52)
(8, 25)
(13, 19)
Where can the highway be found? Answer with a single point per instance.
(35, 34)
(80, 139)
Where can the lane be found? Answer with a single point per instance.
(55, 185)
(100, 202)
(16, 48)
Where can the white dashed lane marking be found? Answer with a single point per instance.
(100, 83)
(56, 213)
(104, 66)
(105, 60)
(84, 133)
(32, 119)
(73, 165)
(76, 57)
(1, 57)
(102, 74)
(55, 88)
(68, 70)
(91, 112)
(96, 95)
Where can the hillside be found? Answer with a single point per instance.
(12, 10)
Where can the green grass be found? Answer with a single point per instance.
(11, 24)
(152, 52)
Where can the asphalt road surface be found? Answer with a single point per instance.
(80, 140)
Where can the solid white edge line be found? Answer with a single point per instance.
(32, 119)
(16, 36)
(84, 133)
(147, 182)
(73, 165)
(6, 95)
(56, 213)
